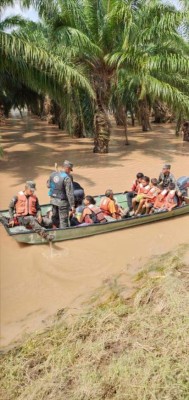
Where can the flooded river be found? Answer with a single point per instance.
(34, 282)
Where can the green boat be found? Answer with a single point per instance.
(23, 235)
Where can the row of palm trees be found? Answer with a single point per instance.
(87, 57)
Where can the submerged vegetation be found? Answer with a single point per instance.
(85, 58)
(120, 348)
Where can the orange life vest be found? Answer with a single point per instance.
(104, 205)
(143, 189)
(26, 205)
(95, 214)
(153, 192)
(170, 200)
(160, 199)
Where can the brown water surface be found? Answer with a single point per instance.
(36, 283)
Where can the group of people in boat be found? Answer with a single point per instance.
(70, 206)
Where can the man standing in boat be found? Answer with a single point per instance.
(24, 209)
(62, 195)
(166, 177)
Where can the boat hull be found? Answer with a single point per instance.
(70, 233)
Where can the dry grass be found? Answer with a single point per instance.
(134, 349)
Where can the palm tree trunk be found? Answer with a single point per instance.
(132, 119)
(162, 113)
(185, 131)
(47, 112)
(144, 114)
(102, 130)
(2, 114)
(178, 125)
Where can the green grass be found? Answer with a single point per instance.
(122, 349)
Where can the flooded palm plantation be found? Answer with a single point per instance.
(37, 281)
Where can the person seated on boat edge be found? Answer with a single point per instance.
(91, 213)
(160, 199)
(134, 189)
(109, 206)
(166, 177)
(148, 198)
(61, 194)
(171, 200)
(24, 209)
(142, 190)
(183, 184)
(75, 217)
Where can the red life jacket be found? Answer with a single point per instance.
(26, 205)
(104, 205)
(160, 199)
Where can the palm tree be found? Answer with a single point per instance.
(155, 59)
(29, 63)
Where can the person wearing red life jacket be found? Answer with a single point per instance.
(143, 189)
(91, 213)
(134, 189)
(24, 209)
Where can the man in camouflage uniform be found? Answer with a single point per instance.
(165, 178)
(24, 209)
(62, 195)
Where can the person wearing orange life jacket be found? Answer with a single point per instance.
(160, 199)
(134, 189)
(91, 213)
(24, 209)
(142, 190)
(147, 199)
(150, 197)
(171, 200)
(109, 206)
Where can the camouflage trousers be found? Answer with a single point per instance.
(30, 221)
(60, 215)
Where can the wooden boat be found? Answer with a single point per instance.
(23, 235)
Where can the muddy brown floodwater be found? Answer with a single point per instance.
(35, 285)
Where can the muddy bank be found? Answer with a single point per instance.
(35, 285)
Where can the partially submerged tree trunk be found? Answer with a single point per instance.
(48, 111)
(178, 125)
(132, 119)
(185, 131)
(118, 117)
(2, 115)
(102, 130)
(144, 115)
(123, 121)
(162, 113)
(102, 123)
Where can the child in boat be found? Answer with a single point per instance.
(142, 190)
(91, 213)
(134, 189)
(171, 200)
(75, 217)
(150, 198)
(160, 199)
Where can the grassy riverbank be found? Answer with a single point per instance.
(122, 349)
